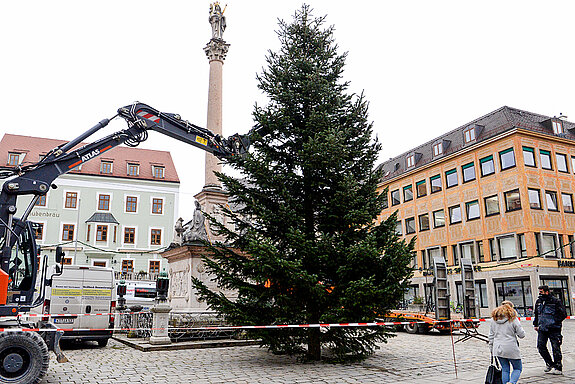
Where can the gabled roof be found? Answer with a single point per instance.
(102, 217)
(488, 126)
(34, 147)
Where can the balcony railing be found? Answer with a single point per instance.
(136, 276)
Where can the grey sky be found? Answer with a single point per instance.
(426, 67)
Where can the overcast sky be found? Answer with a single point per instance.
(426, 67)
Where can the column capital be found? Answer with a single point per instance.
(216, 49)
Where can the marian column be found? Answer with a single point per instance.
(212, 196)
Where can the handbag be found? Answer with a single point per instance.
(493, 372)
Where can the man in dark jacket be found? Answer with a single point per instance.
(549, 314)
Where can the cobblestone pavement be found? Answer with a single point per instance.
(404, 359)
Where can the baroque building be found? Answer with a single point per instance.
(499, 191)
(117, 210)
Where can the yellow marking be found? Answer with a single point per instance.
(97, 292)
(66, 292)
(201, 140)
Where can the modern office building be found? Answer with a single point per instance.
(117, 210)
(498, 190)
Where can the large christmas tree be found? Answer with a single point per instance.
(307, 247)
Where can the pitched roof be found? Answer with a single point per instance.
(102, 217)
(493, 124)
(34, 147)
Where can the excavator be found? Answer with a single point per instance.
(24, 342)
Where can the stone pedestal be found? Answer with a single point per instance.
(161, 316)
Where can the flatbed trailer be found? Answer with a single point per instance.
(425, 322)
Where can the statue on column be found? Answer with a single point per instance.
(217, 20)
(195, 230)
(178, 231)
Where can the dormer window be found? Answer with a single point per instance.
(437, 149)
(13, 158)
(158, 172)
(410, 161)
(469, 135)
(133, 169)
(557, 127)
(106, 166)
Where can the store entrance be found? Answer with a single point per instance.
(559, 288)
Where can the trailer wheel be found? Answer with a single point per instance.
(23, 357)
(411, 328)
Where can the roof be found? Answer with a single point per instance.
(34, 147)
(488, 126)
(102, 217)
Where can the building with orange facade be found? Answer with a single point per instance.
(498, 190)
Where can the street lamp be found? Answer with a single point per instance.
(162, 285)
(121, 292)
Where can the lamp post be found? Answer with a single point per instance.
(161, 312)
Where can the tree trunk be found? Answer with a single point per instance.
(314, 345)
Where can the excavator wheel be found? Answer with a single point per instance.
(24, 357)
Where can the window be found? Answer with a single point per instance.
(158, 172)
(158, 205)
(455, 214)
(101, 233)
(573, 163)
(518, 292)
(66, 261)
(481, 255)
(410, 161)
(468, 251)
(407, 193)
(104, 202)
(561, 160)
(154, 266)
(451, 178)
(421, 188)
(398, 228)
(481, 293)
(129, 235)
(88, 232)
(492, 250)
(567, 200)
(41, 202)
(437, 149)
(395, 197)
(468, 172)
(557, 126)
(487, 166)
(435, 182)
(131, 203)
(127, 266)
(384, 201)
(439, 219)
(469, 134)
(534, 199)
(512, 200)
(472, 210)
(156, 237)
(529, 157)
(491, 205)
(507, 159)
(133, 169)
(71, 200)
(424, 222)
(13, 158)
(545, 157)
(106, 167)
(548, 247)
(507, 247)
(38, 231)
(68, 232)
(522, 245)
(410, 225)
(551, 199)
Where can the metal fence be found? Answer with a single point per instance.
(139, 325)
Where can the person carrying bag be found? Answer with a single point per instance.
(493, 372)
(503, 333)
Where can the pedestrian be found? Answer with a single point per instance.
(549, 315)
(504, 330)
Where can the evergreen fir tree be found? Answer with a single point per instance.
(307, 246)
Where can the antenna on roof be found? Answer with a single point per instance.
(562, 116)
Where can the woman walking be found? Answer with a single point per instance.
(503, 333)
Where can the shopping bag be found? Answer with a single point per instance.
(493, 372)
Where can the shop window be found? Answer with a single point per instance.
(455, 214)
(481, 293)
(472, 210)
(451, 178)
(439, 218)
(492, 250)
(131, 204)
(435, 182)
(518, 292)
(507, 247)
(127, 266)
(71, 200)
(512, 200)
(468, 171)
(567, 200)
(551, 199)
(156, 237)
(106, 167)
(407, 193)
(129, 235)
(561, 160)
(68, 232)
(491, 205)
(487, 166)
(559, 288)
(421, 188)
(534, 198)
(104, 202)
(424, 222)
(101, 233)
(395, 197)
(507, 159)
(410, 225)
(529, 157)
(545, 158)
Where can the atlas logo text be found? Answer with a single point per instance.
(90, 155)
